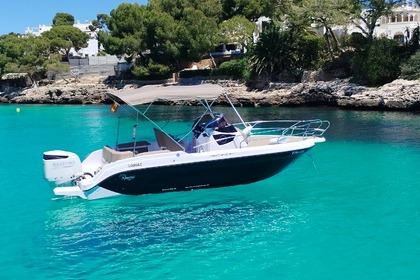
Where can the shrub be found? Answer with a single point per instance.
(357, 41)
(410, 70)
(236, 69)
(378, 63)
(151, 71)
(341, 64)
(309, 52)
(281, 53)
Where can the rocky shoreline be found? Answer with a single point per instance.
(398, 95)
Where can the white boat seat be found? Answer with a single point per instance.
(166, 142)
(111, 155)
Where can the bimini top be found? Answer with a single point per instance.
(150, 93)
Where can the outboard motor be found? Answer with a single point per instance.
(61, 166)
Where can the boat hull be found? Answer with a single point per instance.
(199, 175)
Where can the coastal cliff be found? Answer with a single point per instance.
(398, 95)
(89, 90)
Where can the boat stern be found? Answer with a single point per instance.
(61, 167)
(69, 191)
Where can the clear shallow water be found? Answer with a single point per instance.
(348, 210)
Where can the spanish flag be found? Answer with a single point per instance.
(114, 107)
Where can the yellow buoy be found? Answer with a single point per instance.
(17, 110)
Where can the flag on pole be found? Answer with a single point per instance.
(114, 107)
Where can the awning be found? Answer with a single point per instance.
(150, 93)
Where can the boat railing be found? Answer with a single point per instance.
(276, 128)
(304, 128)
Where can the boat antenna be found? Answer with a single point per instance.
(118, 130)
(234, 109)
(134, 137)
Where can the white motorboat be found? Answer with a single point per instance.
(213, 152)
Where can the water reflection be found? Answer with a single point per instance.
(143, 227)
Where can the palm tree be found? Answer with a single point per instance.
(273, 52)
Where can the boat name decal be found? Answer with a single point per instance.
(127, 178)
(168, 189)
(139, 164)
(64, 164)
(197, 186)
(298, 152)
(221, 155)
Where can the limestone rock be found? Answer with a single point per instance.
(398, 95)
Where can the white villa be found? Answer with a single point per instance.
(398, 26)
(91, 50)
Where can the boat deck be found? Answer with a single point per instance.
(143, 148)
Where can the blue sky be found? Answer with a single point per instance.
(17, 15)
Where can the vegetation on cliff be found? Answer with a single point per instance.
(166, 36)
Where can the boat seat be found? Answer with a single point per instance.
(111, 155)
(166, 142)
(255, 141)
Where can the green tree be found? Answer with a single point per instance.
(326, 14)
(161, 38)
(378, 63)
(410, 69)
(237, 29)
(123, 32)
(151, 70)
(250, 9)
(10, 51)
(180, 32)
(23, 54)
(367, 12)
(236, 68)
(175, 32)
(54, 67)
(414, 43)
(65, 37)
(282, 51)
(100, 22)
(178, 8)
(63, 19)
(197, 34)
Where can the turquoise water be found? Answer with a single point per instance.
(348, 210)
